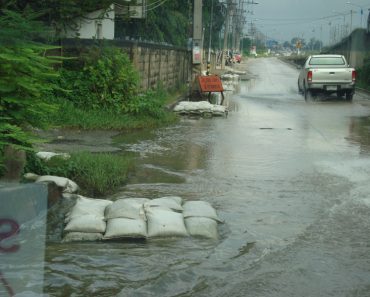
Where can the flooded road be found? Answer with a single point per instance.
(289, 179)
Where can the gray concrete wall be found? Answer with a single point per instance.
(168, 67)
(355, 47)
(157, 64)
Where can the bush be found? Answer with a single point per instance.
(107, 81)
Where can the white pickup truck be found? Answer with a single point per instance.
(327, 74)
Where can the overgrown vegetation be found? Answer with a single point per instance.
(96, 174)
(74, 117)
(26, 76)
(97, 90)
(102, 78)
(363, 74)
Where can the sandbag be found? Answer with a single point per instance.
(201, 226)
(86, 223)
(68, 185)
(129, 208)
(164, 222)
(219, 110)
(88, 206)
(125, 228)
(200, 209)
(171, 202)
(82, 236)
(46, 156)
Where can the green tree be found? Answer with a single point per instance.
(26, 77)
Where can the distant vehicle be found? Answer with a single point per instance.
(238, 57)
(327, 74)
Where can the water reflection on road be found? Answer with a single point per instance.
(289, 179)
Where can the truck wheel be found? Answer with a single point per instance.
(349, 96)
(307, 95)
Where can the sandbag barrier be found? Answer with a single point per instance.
(202, 108)
(139, 218)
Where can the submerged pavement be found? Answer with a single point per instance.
(289, 179)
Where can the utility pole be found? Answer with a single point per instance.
(210, 40)
(197, 49)
(226, 31)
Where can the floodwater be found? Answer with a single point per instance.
(290, 179)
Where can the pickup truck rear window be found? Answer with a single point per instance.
(326, 61)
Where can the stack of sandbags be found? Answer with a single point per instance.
(86, 220)
(126, 219)
(201, 219)
(219, 110)
(181, 108)
(199, 108)
(165, 217)
(95, 219)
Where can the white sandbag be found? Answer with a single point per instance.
(164, 222)
(68, 185)
(86, 223)
(171, 202)
(203, 227)
(199, 209)
(81, 236)
(129, 208)
(88, 206)
(46, 156)
(125, 228)
(31, 176)
(178, 199)
(218, 110)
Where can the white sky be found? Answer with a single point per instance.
(285, 19)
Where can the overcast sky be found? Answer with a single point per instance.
(285, 19)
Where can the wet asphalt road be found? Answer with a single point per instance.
(289, 178)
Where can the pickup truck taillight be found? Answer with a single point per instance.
(353, 75)
(309, 76)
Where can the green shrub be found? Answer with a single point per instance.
(107, 81)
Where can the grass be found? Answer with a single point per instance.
(71, 117)
(97, 174)
(101, 174)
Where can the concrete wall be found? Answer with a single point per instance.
(355, 47)
(161, 65)
(98, 24)
(157, 64)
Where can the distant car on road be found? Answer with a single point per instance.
(238, 57)
(327, 74)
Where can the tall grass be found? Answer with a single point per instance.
(97, 174)
(100, 174)
(70, 116)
